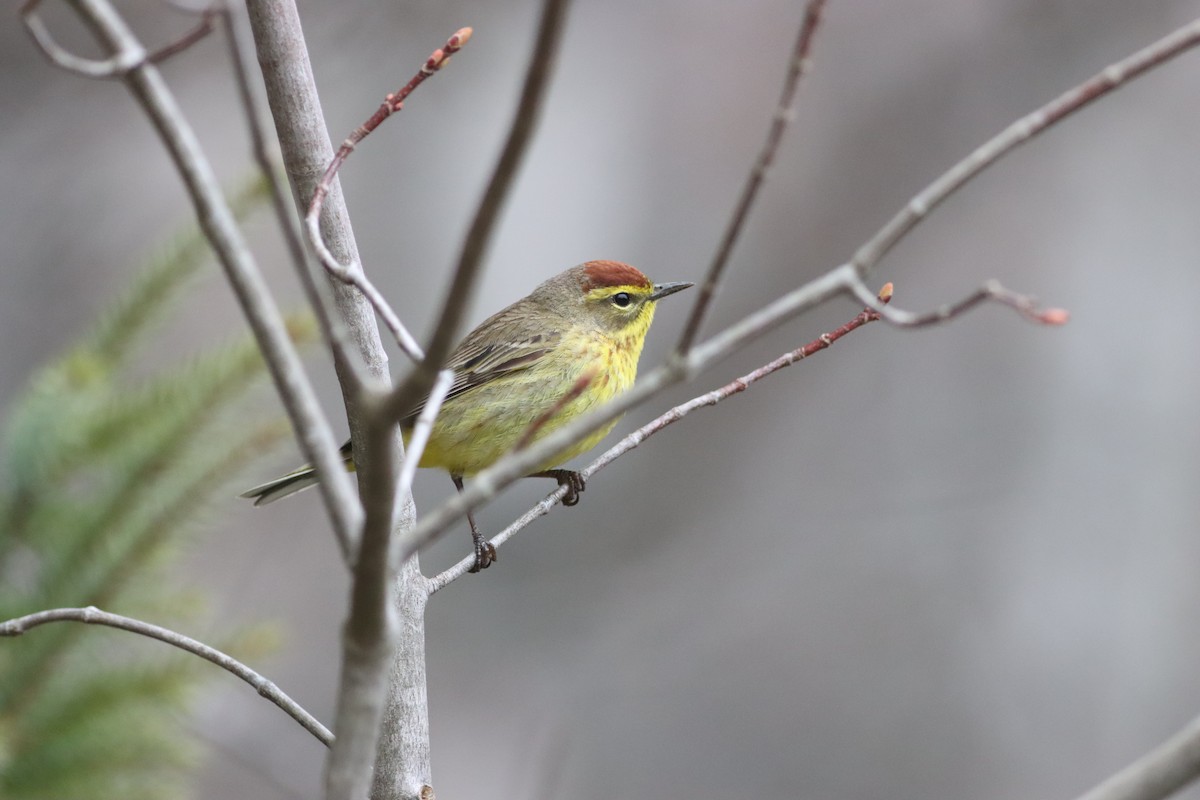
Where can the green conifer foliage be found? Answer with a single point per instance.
(102, 470)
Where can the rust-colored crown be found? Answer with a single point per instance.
(598, 274)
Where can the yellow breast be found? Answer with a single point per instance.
(479, 426)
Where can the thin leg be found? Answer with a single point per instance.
(485, 551)
(565, 477)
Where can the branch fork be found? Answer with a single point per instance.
(371, 632)
(352, 274)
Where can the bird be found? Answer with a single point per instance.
(570, 345)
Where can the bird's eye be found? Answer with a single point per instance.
(622, 299)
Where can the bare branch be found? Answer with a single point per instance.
(376, 633)
(267, 158)
(383, 308)
(514, 465)
(112, 67)
(784, 113)
(582, 383)
(117, 65)
(404, 734)
(406, 739)
(372, 625)
(299, 399)
(846, 279)
(1111, 77)
(1160, 773)
(421, 430)
(345, 272)
(664, 420)
(462, 287)
(991, 291)
(94, 616)
(840, 280)
(202, 29)
(306, 150)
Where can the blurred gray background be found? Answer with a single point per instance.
(960, 562)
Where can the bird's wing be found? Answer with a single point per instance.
(503, 344)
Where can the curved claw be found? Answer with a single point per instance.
(574, 481)
(485, 556)
(575, 484)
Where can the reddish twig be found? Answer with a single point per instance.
(282, 204)
(346, 273)
(581, 384)
(784, 113)
(991, 291)
(470, 259)
(202, 29)
(396, 764)
(120, 62)
(1016, 134)
(666, 419)
(845, 279)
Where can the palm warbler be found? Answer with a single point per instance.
(570, 345)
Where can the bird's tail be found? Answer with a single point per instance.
(295, 481)
(282, 487)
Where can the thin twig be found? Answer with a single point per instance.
(316, 438)
(784, 113)
(570, 395)
(376, 633)
(1019, 132)
(306, 150)
(391, 104)
(422, 429)
(405, 707)
(511, 467)
(660, 422)
(533, 92)
(1160, 773)
(990, 292)
(94, 616)
(479, 236)
(202, 29)
(115, 66)
(267, 158)
(845, 279)
(359, 280)
(664, 420)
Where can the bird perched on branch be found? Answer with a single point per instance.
(572, 344)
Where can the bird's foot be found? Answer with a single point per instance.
(574, 481)
(485, 554)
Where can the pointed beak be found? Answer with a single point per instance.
(661, 290)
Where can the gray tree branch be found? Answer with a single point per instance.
(385, 630)
(1160, 773)
(94, 616)
(375, 633)
(267, 156)
(1111, 77)
(147, 85)
(784, 111)
(847, 279)
(668, 418)
(406, 713)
